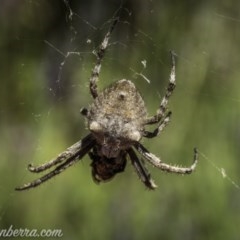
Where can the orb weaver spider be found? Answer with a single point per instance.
(116, 120)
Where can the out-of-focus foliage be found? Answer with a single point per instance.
(39, 116)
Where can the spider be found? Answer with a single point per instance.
(116, 120)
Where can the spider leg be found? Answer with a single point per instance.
(155, 161)
(70, 152)
(76, 156)
(84, 111)
(163, 105)
(142, 172)
(160, 127)
(100, 54)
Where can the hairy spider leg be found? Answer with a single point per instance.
(70, 152)
(100, 54)
(163, 105)
(160, 127)
(142, 172)
(75, 157)
(155, 161)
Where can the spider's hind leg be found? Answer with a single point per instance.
(160, 127)
(100, 54)
(163, 105)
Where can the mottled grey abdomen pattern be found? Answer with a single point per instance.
(120, 99)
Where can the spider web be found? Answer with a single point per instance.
(145, 72)
(149, 41)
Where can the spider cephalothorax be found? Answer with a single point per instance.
(103, 168)
(116, 120)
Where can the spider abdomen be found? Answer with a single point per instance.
(120, 99)
(116, 117)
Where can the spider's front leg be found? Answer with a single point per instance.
(66, 159)
(155, 161)
(67, 154)
(142, 172)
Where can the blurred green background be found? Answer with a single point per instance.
(39, 116)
